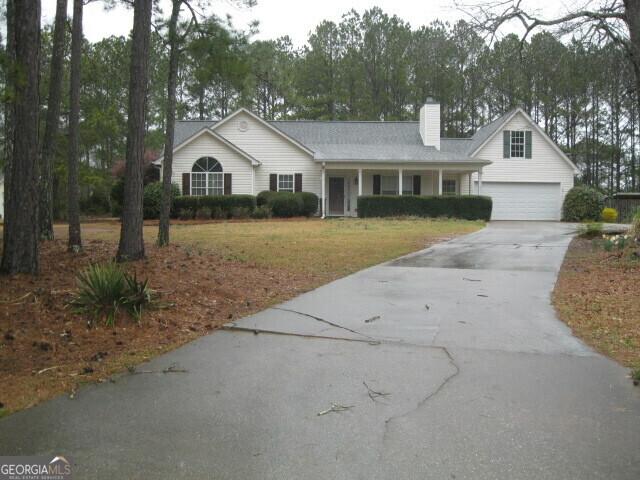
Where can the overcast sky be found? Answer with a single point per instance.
(283, 17)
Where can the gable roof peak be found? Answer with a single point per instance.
(264, 122)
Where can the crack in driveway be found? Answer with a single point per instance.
(421, 403)
(369, 340)
(256, 331)
(322, 320)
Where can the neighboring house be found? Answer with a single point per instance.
(511, 159)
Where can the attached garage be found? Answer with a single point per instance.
(523, 200)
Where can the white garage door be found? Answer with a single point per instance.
(523, 201)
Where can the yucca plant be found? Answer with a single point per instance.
(100, 293)
(105, 289)
(138, 296)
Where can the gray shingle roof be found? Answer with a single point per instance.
(186, 128)
(484, 132)
(350, 132)
(372, 141)
(366, 141)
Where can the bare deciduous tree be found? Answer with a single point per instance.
(615, 20)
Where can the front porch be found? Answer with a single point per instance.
(342, 185)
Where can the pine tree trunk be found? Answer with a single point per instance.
(73, 208)
(131, 245)
(51, 127)
(20, 252)
(167, 161)
(8, 104)
(632, 19)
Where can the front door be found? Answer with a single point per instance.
(336, 196)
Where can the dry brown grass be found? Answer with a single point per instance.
(321, 247)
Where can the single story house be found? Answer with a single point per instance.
(510, 159)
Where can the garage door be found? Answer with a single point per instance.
(523, 201)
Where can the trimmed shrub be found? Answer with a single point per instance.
(288, 204)
(309, 203)
(609, 215)
(218, 214)
(203, 213)
(265, 197)
(468, 207)
(185, 214)
(225, 203)
(261, 212)
(582, 204)
(152, 198)
(186, 203)
(240, 212)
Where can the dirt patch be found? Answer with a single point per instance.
(45, 349)
(598, 296)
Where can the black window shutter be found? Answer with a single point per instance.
(416, 184)
(273, 182)
(186, 183)
(227, 184)
(527, 144)
(506, 144)
(298, 182)
(376, 184)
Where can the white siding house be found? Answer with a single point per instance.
(525, 188)
(205, 144)
(511, 159)
(272, 148)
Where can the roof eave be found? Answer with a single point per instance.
(405, 161)
(254, 161)
(284, 135)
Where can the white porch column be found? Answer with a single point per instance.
(440, 182)
(253, 180)
(480, 182)
(359, 182)
(323, 195)
(399, 181)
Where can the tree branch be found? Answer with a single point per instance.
(490, 17)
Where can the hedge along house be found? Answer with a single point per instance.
(511, 159)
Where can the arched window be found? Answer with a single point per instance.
(206, 177)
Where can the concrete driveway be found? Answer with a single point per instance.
(448, 364)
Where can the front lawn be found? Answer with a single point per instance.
(325, 248)
(598, 296)
(211, 274)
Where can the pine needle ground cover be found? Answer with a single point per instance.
(211, 274)
(598, 295)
